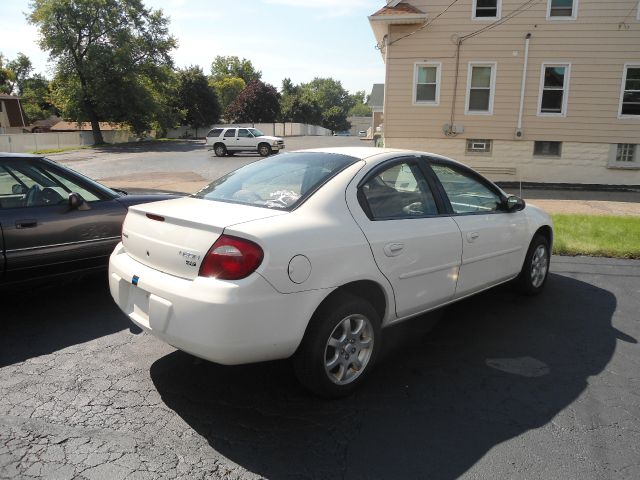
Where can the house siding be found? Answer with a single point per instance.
(597, 45)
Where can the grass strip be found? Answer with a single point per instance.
(597, 235)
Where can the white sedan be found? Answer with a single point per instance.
(311, 254)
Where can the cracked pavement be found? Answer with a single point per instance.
(503, 386)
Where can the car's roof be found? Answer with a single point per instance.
(18, 155)
(364, 153)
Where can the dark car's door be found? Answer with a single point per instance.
(43, 234)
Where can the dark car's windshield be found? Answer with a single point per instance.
(280, 182)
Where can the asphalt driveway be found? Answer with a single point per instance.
(502, 387)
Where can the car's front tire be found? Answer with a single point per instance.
(535, 269)
(264, 149)
(339, 347)
(220, 150)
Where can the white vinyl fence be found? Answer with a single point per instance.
(275, 129)
(31, 142)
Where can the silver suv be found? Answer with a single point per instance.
(227, 141)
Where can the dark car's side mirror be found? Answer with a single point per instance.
(514, 204)
(17, 189)
(76, 202)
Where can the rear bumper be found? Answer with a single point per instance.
(226, 322)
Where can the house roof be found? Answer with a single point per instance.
(85, 126)
(399, 9)
(14, 110)
(376, 99)
(5, 96)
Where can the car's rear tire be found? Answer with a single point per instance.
(220, 150)
(339, 347)
(264, 149)
(535, 269)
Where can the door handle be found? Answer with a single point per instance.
(393, 249)
(472, 236)
(26, 223)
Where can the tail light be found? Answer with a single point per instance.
(231, 258)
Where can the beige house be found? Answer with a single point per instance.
(12, 118)
(523, 90)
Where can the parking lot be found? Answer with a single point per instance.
(497, 386)
(502, 387)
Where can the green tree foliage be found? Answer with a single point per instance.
(109, 55)
(232, 66)
(323, 101)
(196, 98)
(21, 67)
(258, 102)
(35, 98)
(360, 108)
(227, 89)
(7, 76)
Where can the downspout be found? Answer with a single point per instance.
(21, 115)
(524, 79)
(387, 45)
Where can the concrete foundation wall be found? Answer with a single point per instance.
(582, 163)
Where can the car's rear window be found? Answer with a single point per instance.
(215, 132)
(281, 182)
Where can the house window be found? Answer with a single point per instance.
(426, 85)
(562, 9)
(547, 149)
(554, 85)
(480, 88)
(625, 152)
(630, 97)
(478, 146)
(486, 9)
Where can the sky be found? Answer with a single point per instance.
(298, 39)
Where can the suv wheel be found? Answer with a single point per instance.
(264, 149)
(220, 150)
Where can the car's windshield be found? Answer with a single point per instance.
(280, 182)
(256, 133)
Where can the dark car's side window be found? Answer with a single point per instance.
(24, 184)
(243, 132)
(466, 193)
(399, 191)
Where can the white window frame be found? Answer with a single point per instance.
(492, 86)
(490, 19)
(632, 165)
(488, 145)
(622, 90)
(573, 17)
(565, 88)
(416, 67)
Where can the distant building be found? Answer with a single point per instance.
(376, 102)
(545, 91)
(12, 119)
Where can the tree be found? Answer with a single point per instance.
(109, 54)
(35, 98)
(196, 98)
(332, 100)
(335, 120)
(227, 89)
(258, 102)
(21, 68)
(232, 66)
(7, 77)
(360, 108)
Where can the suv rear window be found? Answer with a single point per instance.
(281, 182)
(215, 132)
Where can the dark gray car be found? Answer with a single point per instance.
(56, 222)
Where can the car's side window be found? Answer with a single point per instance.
(466, 193)
(26, 185)
(231, 132)
(243, 132)
(397, 192)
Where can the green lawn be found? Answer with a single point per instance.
(605, 236)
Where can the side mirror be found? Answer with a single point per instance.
(514, 204)
(17, 189)
(76, 202)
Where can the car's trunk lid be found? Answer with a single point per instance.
(174, 236)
